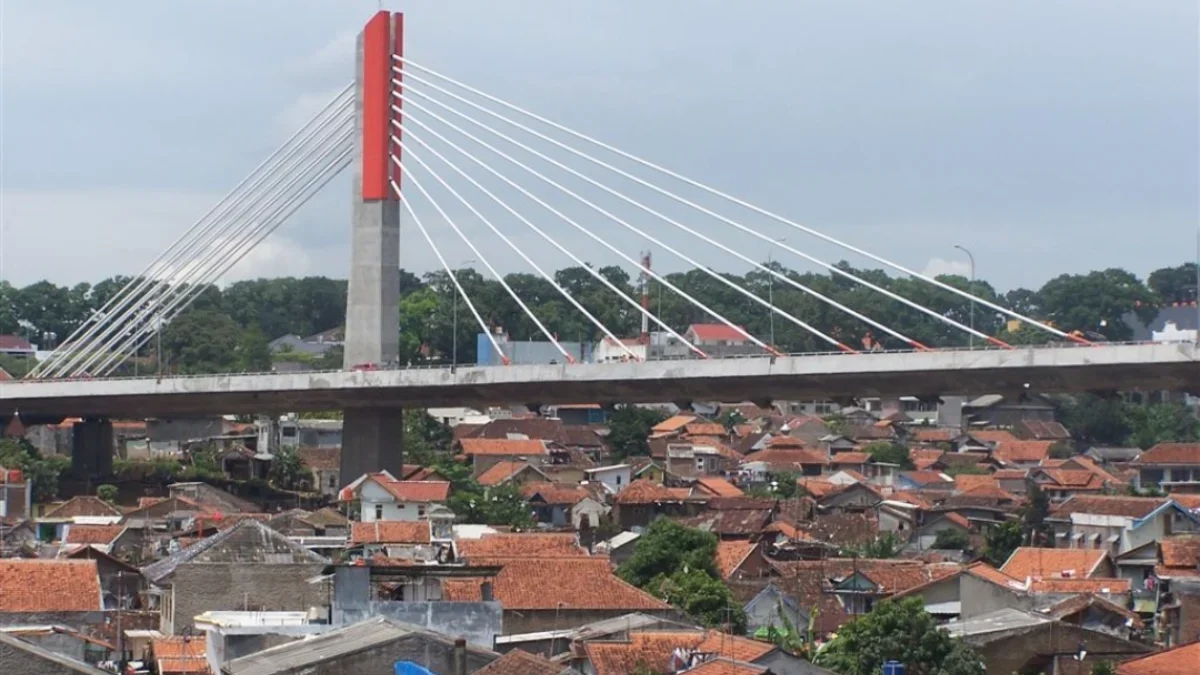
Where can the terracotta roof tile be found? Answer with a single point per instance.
(1103, 505)
(927, 477)
(673, 424)
(788, 460)
(518, 662)
(934, 434)
(993, 435)
(1074, 479)
(390, 532)
(1022, 451)
(49, 586)
(988, 573)
(93, 534)
(966, 482)
(1171, 453)
(723, 666)
(565, 494)
(645, 492)
(850, 458)
(422, 491)
(501, 471)
(1178, 661)
(83, 505)
(1181, 551)
(528, 545)
(785, 442)
(503, 447)
(1078, 603)
(321, 459)
(652, 650)
(180, 654)
(705, 429)
(1010, 474)
(731, 554)
(1041, 430)
(924, 458)
(719, 487)
(1028, 561)
(709, 332)
(1095, 585)
(572, 582)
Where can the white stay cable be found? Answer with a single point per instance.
(453, 278)
(337, 161)
(709, 240)
(713, 191)
(549, 279)
(412, 135)
(483, 259)
(219, 249)
(639, 232)
(134, 287)
(183, 264)
(773, 242)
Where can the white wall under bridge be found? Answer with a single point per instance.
(1044, 369)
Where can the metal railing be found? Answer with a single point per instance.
(659, 359)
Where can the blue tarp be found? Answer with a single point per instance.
(410, 668)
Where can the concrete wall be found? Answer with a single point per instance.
(201, 587)
(1011, 654)
(980, 597)
(14, 660)
(535, 621)
(184, 428)
(477, 622)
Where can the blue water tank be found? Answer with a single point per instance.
(893, 668)
(410, 668)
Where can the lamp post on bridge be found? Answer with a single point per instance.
(971, 257)
(771, 290)
(454, 330)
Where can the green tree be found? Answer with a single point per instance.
(1153, 424)
(426, 439)
(666, 547)
(108, 493)
(951, 540)
(629, 430)
(1061, 450)
(1002, 540)
(703, 597)
(1033, 517)
(1104, 668)
(883, 546)
(1174, 284)
(1097, 302)
(16, 367)
(254, 354)
(501, 505)
(889, 453)
(288, 470)
(202, 341)
(44, 472)
(1095, 420)
(898, 631)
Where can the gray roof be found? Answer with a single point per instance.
(334, 644)
(248, 542)
(295, 344)
(1113, 454)
(1000, 621)
(65, 664)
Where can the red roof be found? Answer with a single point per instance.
(390, 532)
(93, 534)
(1171, 453)
(517, 662)
(503, 447)
(180, 654)
(425, 491)
(719, 487)
(502, 471)
(15, 343)
(1022, 451)
(651, 650)
(49, 586)
(645, 492)
(1028, 561)
(521, 545)
(1178, 661)
(83, 505)
(548, 583)
(711, 332)
(731, 554)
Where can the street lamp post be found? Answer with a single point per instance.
(454, 321)
(970, 257)
(771, 290)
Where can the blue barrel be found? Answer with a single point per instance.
(893, 668)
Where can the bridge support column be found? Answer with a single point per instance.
(92, 448)
(372, 440)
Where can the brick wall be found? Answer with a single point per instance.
(201, 587)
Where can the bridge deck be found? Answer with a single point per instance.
(1042, 369)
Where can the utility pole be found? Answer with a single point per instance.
(971, 257)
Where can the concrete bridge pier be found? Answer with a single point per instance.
(372, 437)
(92, 448)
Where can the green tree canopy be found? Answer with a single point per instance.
(898, 631)
(1002, 540)
(629, 427)
(666, 547)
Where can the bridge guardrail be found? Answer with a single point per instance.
(441, 366)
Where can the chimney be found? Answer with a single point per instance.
(460, 656)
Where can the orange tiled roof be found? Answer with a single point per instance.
(850, 458)
(787, 460)
(390, 532)
(566, 494)
(934, 435)
(989, 573)
(922, 459)
(513, 545)
(84, 505)
(927, 477)
(672, 424)
(502, 447)
(1075, 479)
(704, 429)
(321, 459)
(1022, 451)
(49, 586)
(518, 662)
(1096, 585)
(653, 649)
(817, 487)
(501, 471)
(1028, 561)
(423, 491)
(967, 482)
(1181, 552)
(785, 442)
(180, 654)
(993, 435)
(1171, 453)
(93, 534)
(1178, 661)
(719, 487)
(731, 554)
(570, 583)
(1010, 474)
(644, 491)
(724, 666)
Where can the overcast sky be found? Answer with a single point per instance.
(1044, 136)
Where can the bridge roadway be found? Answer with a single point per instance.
(1146, 366)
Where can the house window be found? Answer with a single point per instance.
(618, 479)
(420, 510)
(333, 481)
(379, 512)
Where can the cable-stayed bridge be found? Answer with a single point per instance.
(427, 147)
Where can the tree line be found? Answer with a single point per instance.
(227, 329)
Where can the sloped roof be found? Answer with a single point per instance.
(503, 447)
(1181, 660)
(1105, 505)
(93, 534)
(1171, 453)
(644, 491)
(731, 554)
(739, 523)
(421, 491)
(724, 666)
(719, 487)
(513, 545)
(502, 471)
(39, 655)
(653, 649)
(1028, 561)
(321, 459)
(180, 654)
(83, 505)
(571, 582)
(247, 542)
(1022, 451)
(1040, 430)
(518, 662)
(564, 494)
(49, 585)
(390, 532)
(1093, 585)
(717, 331)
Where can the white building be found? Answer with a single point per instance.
(614, 477)
(383, 498)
